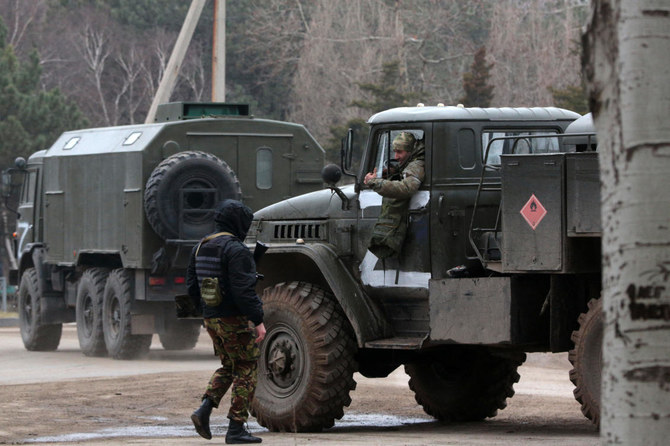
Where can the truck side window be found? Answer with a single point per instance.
(518, 145)
(383, 152)
(264, 168)
(466, 149)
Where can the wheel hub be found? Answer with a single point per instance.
(115, 317)
(283, 362)
(88, 315)
(28, 310)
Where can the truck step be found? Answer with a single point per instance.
(397, 343)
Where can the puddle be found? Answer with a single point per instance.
(348, 421)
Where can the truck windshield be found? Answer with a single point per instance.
(517, 145)
(28, 189)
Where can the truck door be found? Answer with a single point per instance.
(412, 267)
(26, 224)
(456, 166)
(266, 158)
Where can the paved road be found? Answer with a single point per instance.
(543, 411)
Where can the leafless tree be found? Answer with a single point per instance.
(193, 79)
(533, 44)
(19, 16)
(93, 45)
(345, 43)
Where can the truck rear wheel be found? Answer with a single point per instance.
(89, 312)
(182, 188)
(464, 383)
(586, 359)
(180, 335)
(307, 361)
(36, 335)
(116, 318)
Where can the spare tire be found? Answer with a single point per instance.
(182, 192)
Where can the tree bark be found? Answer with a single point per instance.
(626, 53)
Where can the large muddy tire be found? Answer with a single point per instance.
(116, 318)
(464, 383)
(89, 312)
(36, 335)
(307, 360)
(182, 189)
(180, 335)
(586, 359)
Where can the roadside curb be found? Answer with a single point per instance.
(9, 322)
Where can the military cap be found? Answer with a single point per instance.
(404, 141)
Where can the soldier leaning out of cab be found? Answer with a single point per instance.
(396, 185)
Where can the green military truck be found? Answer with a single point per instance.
(502, 257)
(108, 217)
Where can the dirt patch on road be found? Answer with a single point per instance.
(33, 411)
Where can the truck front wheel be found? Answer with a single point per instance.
(36, 335)
(89, 312)
(116, 318)
(586, 358)
(307, 361)
(464, 383)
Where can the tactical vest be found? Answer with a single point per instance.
(208, 270)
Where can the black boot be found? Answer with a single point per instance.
(200, 418)
(238, 434)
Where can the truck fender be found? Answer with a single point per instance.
(367, 320)
(37, 255)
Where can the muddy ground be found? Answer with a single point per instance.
(64, 397)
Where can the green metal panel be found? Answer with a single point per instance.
(95, 178)
(583, 194)
(532, 212)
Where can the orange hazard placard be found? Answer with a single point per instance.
(533, 211)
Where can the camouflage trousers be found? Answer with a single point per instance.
(234, 343)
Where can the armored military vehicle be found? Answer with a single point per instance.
(501, 257)
(108, 217)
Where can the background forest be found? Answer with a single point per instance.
(327, 64)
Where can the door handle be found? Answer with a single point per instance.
(440, 208)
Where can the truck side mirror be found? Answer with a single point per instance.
(331, 174)
(20, 163)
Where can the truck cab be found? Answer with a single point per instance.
(472, 289)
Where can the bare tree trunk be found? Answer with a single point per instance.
(626, 54)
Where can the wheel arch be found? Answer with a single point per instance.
(319, 264)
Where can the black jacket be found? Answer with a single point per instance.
(234, 263)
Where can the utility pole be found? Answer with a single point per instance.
(626, 52)
(219, 52)
(171, 73)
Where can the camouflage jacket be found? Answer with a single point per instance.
(388, 234)
(412, 177)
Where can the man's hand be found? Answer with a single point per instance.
(370, 176)
(260, 332)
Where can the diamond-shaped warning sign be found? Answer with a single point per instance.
(533, 212)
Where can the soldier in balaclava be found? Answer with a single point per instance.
(221, 279)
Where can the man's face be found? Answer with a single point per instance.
(400, 155)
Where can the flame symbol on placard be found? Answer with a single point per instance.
(533, 207)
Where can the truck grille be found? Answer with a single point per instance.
(305, 231)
